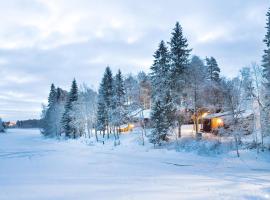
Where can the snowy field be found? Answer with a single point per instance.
(34, 168)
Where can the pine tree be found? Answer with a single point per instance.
(212, 69)
(49, 125)
(160, 71)
(179, 55)
(119, 111)
(163, 109)
(101, 111)
(52, 96)
(160, 123)
(266, 75)
(105, 101)
(266, 60)
(68, 120)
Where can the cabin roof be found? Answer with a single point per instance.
(137, 113)
(215, 115)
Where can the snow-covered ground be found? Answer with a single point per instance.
(32, 167)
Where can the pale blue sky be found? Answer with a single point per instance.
(44, 41)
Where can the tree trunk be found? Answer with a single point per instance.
(103, 136)
(236, 143)
(96, 135)
(179, 130)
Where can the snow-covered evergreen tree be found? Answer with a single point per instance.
(179, 59)
(213, 90)
(266, 76)
(49, 124)
(101, 112)
(144, 90)
(68, 119)
(105, 102)
(213, 69)
(119, 111)
(163, 111)
(160, 72)
(160, 123)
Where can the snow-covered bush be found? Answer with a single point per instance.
(205, 146)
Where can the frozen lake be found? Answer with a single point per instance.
(32, 167)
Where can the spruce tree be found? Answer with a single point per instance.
(160, 71)
(179, 55)
(163, 110)
(49, 124)
(105, 101)
(266, 60)
(213, 70)
(160, 124)
(266, 75)
(119, 112)
(101, 111)
(52, 96)
(68, 120)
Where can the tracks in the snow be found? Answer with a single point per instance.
(22, 154)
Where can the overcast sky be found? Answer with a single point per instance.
(45, 41)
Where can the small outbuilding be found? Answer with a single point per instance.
(212, 122)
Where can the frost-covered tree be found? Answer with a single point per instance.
(49, 119)
(61, 98)
(144, 90)
(77, 114)
(213, 91)
(105, 102)
(101, 113)
(160, 123)
(88, 108)
(160, 72)
(247, 87)
(179, 59)
(232, 89)
(68, 118)
(196, 82)
(161, 92)
(131, 86)
(118, 107)
(266, 76)
(212, 69)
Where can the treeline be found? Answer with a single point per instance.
(30, 123)
(84, 112)
(177, 85)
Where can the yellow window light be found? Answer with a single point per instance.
(219, 121)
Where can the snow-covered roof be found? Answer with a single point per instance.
(244, 113)
(214, 115)
(137, 113)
